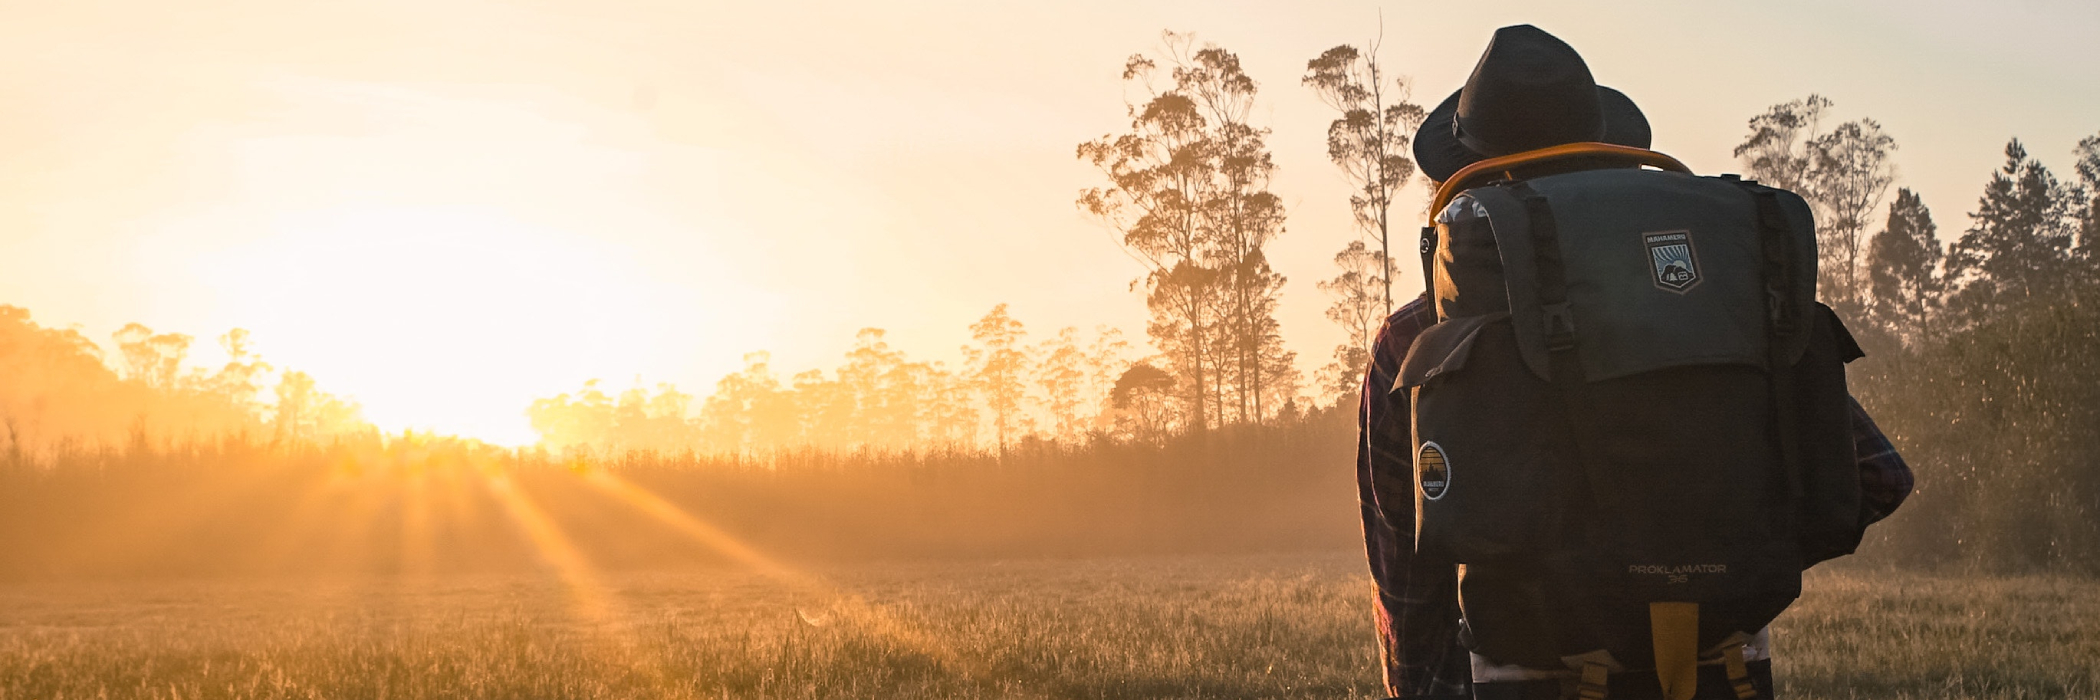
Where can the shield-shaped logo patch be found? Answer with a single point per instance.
(1671, 258)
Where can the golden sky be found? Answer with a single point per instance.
(448, 208)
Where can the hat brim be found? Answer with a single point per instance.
(1440, 154)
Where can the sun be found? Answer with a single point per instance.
(441, 318)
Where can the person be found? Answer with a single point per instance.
(1530, 90)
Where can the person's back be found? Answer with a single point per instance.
(1608, 460)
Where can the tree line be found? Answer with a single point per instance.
(1008, 391)
(58, 387)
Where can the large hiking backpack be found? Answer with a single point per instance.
(1631, 420)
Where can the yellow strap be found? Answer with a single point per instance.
(1459, 181)
(1594, 675)
(1674, 627)
(1739, 673)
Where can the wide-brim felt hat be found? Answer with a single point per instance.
(1530, 90)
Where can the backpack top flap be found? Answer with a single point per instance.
(1662, 269)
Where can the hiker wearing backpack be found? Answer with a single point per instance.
(1598, 453)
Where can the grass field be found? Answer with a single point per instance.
(1282, 626)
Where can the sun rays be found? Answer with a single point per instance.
(408, 512)
(590, 597)
(852, 608)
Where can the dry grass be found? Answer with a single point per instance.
(1864, 634)
(1217, 627)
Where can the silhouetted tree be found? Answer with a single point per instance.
(1189, 192)
(155, 359)
(655, 421)
(1105, 363)
(1904, 269)
(1246, 217)
(1775, 151)
(1144, 405)
(1280, 380)
(953, 418)
(305, 413)
(1357, 310)
(2018, 245)
(239, 380)
(750, 411)
(2088, 167)
(1369, 142)
(886, 393)
(1851, 176)
(1062, 376)
(826, 409)
(1843, 173)
(998, 371)
(1159, 180)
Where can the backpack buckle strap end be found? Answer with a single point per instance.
(1739, 673)
(1591, 685)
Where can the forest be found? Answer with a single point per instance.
(1203, 435)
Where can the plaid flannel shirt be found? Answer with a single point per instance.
(1417, 599)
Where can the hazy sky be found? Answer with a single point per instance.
(448, 208)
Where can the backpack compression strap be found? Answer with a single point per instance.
(1569, 380)
(1777, 240)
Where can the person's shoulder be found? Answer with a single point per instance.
(1406, 322)
(1412, 317)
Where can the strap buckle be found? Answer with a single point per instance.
(1560, 326)
(1782, 312)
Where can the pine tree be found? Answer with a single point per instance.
(2018, 246)
(2088, 167)
(1904, 268)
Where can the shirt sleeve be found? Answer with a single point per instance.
(1885, 479)
(1416, 610)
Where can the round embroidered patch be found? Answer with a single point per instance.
(1432, 471)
